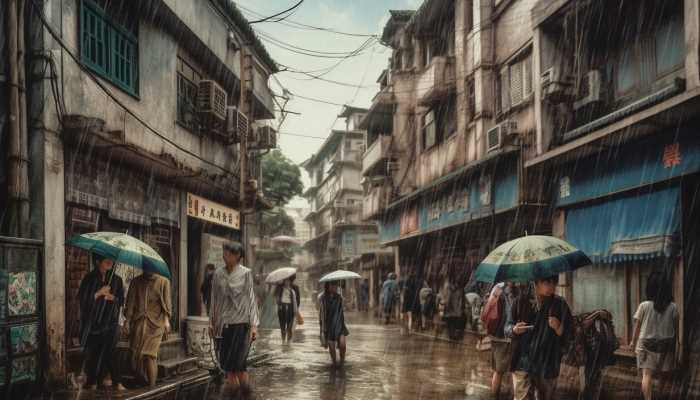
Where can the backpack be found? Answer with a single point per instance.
(492, 312)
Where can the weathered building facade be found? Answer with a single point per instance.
(338, 234)
(139, 116)
(570, 118)
(448, 183)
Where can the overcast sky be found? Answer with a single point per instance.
(316, 119)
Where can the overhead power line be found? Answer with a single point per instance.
(299, 25)
(278, 14)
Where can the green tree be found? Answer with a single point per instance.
(276, 222)
(281, 178)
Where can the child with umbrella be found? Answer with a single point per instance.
(332, 317)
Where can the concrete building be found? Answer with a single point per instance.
(443, 166)
(136, 125)
(615, 116)
(570, 118)
(338, 234)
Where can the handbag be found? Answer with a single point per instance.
(300, 319)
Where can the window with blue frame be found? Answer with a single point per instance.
(109, 42)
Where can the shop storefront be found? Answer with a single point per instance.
(624, 207)
(210, 225)
(443, 231)
(104, 196)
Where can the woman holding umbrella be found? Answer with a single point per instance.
(332, 321)
(101, 297)
(147, 307)
(288, 301)
(331, 315)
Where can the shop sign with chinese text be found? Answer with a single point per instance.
(207, 210)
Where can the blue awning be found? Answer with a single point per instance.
(639, 227)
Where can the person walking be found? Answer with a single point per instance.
(206, 286)
(101, 297)
(655, 338)
(332, 322)
(148, 310)
(454, 315)
(538, 337)
(364, 295)
(411, 303)
(426, 299)
(234, 319)
(502, 297)
(389, 291)
(288, 302)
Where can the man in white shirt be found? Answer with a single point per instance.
(234, 315)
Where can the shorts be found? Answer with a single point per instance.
(235, 345)
(500, 356)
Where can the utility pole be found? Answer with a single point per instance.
(17, 141)
(246, 108)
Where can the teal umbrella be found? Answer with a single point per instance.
(529, 258)
(124, 249)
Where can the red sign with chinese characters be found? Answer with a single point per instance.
(672, 155)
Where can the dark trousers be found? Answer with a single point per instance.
(101, 358)
(455, 327)
(285, 313)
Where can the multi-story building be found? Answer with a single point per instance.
(443, 166)
(338, 234)
(560, 117)
(135, 125)
(615, 109)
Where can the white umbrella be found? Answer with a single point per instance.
(280, 274)
(340, 275)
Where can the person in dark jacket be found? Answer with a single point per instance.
(541, 325)
(288, 302)
(332, 322)
(101, 296)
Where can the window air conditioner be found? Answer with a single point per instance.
(236, 124)
(554, 84)
(497, 135)
(266, 138)
(590, 87)
(211, 100)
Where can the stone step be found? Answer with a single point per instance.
(176, 366)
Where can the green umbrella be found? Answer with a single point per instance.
(124, 249)
(529, 258)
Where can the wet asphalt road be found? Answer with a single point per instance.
(383, 362)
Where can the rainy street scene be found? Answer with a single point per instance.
(350, 200)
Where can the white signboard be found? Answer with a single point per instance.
(207, 210)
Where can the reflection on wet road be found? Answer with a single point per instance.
(382, 363)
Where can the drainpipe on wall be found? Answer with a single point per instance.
(17, 142)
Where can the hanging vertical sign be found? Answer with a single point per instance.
(207, 210)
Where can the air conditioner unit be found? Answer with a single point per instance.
(554, 85)
(590, 87)
(236, 124)
(497, 135)
(339, 204)
(211, 100)
(266, 138)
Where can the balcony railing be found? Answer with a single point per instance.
(384, 97)
(375, 201)
(437, 81)
(377, 151)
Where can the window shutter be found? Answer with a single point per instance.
(504, 88)
(527, 76)
(516, 83)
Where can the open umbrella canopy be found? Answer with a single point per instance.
(339, 275)
(529, 258)
(286, 239)
(124, 249)
(280, 274)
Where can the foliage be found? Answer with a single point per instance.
(281, 178)
(277, 222)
